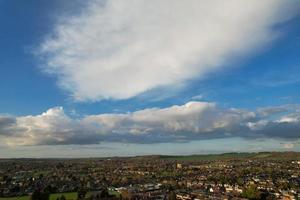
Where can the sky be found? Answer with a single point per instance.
(102, 78)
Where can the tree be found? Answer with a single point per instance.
(62, 197)
(104, 193)
(251, 192)
(172, 195)
(38, 195)
(81, 194)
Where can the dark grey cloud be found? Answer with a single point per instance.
(288, 130)
(6, 124)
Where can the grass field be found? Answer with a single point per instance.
(38, 173)
(16, 198)
(68, 195)
(224, 156)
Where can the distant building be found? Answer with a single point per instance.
(179, 166)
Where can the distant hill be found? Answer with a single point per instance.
(233, 156)
(196, 157)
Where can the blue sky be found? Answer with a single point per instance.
(83, 65)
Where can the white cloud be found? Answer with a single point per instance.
(119, 49)
(191, 121)
(197, 97)
(288, 145)
(50, 127)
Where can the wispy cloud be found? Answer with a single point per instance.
(197, 97)
(119, 49)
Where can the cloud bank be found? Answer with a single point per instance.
(119, 49)
(179, 123)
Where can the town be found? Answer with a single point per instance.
(266, 175)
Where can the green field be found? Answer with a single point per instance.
(225, 156)
(16, 198)
(115, 193)
(38, 173)
(68, 195)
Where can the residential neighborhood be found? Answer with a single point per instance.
(225, 176)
